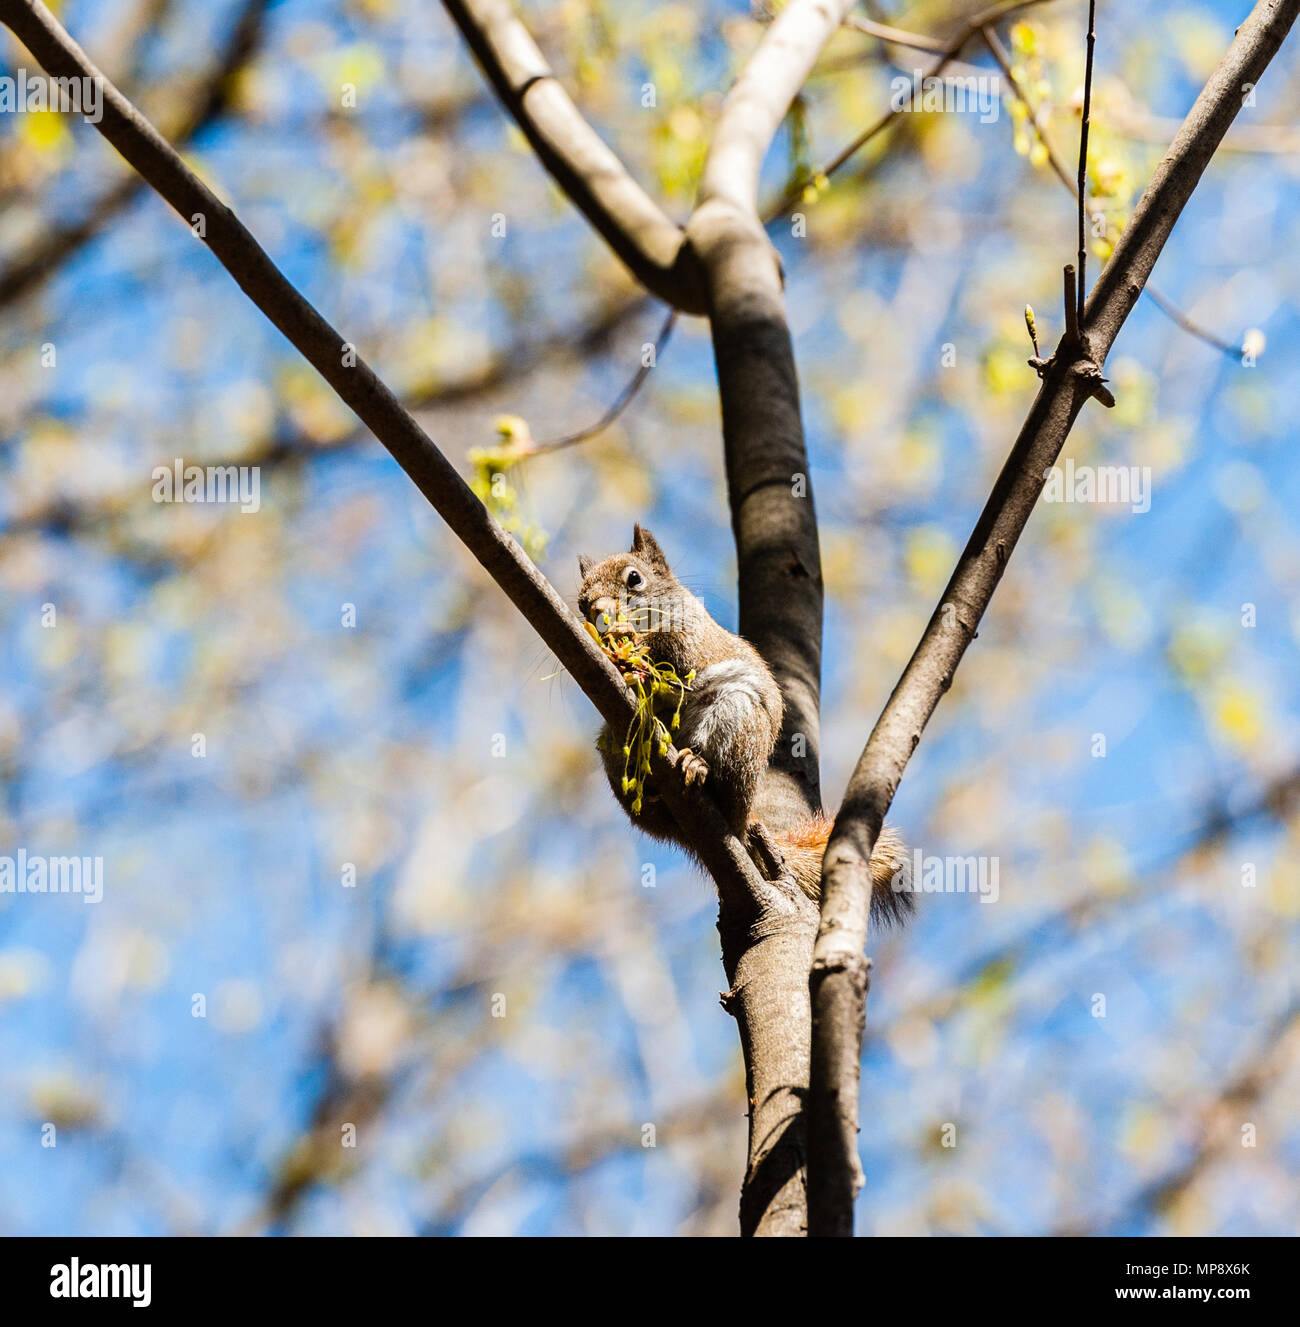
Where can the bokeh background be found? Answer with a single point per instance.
(499, 1004)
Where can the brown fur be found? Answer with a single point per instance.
(734, 714)
(805, 845)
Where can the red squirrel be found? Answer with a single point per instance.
(730, 716)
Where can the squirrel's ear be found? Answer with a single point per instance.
(585, 564)
(645, 545)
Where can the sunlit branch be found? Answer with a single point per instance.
(839, 976)
(588, 172)
(358, 386)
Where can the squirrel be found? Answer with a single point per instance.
(730, 716)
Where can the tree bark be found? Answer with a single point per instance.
(361, 389)
(767, 951)
(589, 173)
(722, 263)
(838, 980)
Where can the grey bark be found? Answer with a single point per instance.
(722, 263)
(838, 979)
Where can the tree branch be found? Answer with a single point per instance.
(1166, 306)
(766, 954)
(772, 511)
(589, 173)
(914, 41)
(359, 387)
(837, 982)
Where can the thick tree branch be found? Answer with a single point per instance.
(359, 387)
(581, 163)
(766, 956)
(772, 511)
(838, 980)
(761, 96)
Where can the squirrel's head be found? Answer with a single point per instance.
(637, 588)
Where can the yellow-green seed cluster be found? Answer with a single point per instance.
(649, 681)
(647, 731)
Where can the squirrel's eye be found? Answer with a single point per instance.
(633, 579)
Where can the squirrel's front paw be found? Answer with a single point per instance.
(695, 769)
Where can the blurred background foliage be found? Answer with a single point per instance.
(499, 1004)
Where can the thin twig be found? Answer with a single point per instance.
(1166, 306)
(1083, 159)
(338, 362)
(620, 403)
(837, 979)
(914, 41)
(1071, 306)
(1180, 319)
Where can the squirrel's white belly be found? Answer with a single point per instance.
(720, 704)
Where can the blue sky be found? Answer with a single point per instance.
(326, 745)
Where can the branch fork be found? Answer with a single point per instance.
(803, 1091)
(1075, 349)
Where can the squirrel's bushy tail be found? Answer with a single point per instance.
(892, 901)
